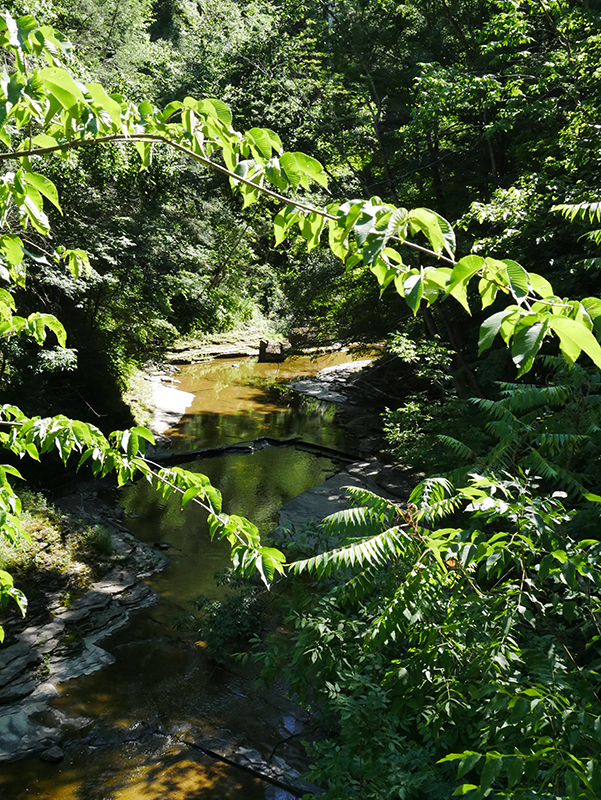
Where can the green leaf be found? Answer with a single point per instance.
(283, 221)
(146, 109)
(102, 99)
(491, 771)
(43, 186)
(572, 785)
(467, 763)
(451, 757)
(491, 327)
(260, 137)
(312, 169)
(518, 278)
(337, 239)
(145, 152)
(464, 789)
(50, 321)
(144, 433)
(34, 207)
(290, 166)
(363, 226)
(413, 291)
(220, 110)
(43, 140)
(311, 227)
(488, 291)
(515, 768)
(540, 285)
(435, 228)
(170, 109)
(384, 273)
(462, 272)
(574, 337)
(373, 248)
(77, 261)
(525, 345)
(593, 771)
(12, 248)
(62, 86)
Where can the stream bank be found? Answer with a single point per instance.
(157, 742)
(61, 644)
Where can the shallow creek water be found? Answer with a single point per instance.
(161, 675)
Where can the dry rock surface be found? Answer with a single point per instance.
(333, 384)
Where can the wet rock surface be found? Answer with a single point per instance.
(65, 647)
(274, 770)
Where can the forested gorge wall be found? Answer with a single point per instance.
(483, 111)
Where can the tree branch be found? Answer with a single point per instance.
(153, 137)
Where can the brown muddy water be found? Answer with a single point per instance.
(162, 681)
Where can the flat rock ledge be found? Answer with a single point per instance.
(331, 496)
(169, 403)
(331, 383)
(66, 647)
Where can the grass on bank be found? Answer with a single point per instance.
(61, 556)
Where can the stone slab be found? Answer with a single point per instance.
(330, 496)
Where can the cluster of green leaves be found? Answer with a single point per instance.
(359, 231)
(550, 428)
(477, 644)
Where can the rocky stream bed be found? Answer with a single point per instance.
(65, 645)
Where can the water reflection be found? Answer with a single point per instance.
(242, 400)
(160, 677)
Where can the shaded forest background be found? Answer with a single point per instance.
(484, 111)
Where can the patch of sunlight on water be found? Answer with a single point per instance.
(133, 772)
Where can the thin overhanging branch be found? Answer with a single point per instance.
(153, 137)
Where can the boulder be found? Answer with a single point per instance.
(52, 755)
(271, 352)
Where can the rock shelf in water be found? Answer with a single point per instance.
(31, 668)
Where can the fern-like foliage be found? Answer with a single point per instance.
(431, 490)
(377, 505)
(435, 498)
(593, 236)
(554, 472)
(553, 429)
(371, 534)
(457, 447)
(356, 523)
(376, 551)
(586, 211)
(520, 397)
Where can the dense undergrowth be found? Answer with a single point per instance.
(57, 560)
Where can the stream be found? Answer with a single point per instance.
(124, 720)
